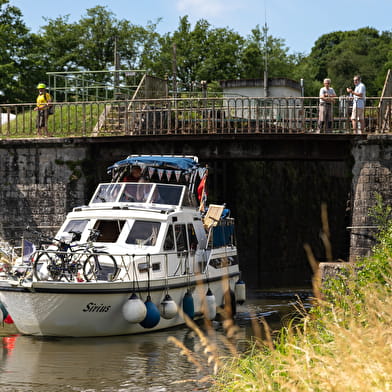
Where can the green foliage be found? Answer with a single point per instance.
(262, 49)
(15, 61)
(203, 52)
(342, 54)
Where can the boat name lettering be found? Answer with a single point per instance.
(93, 307)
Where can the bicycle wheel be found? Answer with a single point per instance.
(47, 266)
(100, 266)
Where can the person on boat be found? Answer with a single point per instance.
(327, 95)
(44, 101)
(131, 193)
(135, 175)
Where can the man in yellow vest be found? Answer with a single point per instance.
(44, 101)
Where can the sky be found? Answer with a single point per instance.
(298, 22)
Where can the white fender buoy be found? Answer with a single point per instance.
(240, 291)
(153, 316)
(188, 305)
(134, 310)
(210, 308)
(43, 273)
(168, 308)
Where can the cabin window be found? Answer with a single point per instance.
(192, 239)
(188, 200)
(107, 193)
(224, 261)
(143, 233)
(109, 229)
(143, 267)
(180, 233)
(136, 193)
(156, 266)
(169, 240)
(168, 194)
(77, 225)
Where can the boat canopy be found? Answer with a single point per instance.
(183, 163)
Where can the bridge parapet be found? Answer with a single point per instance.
(181, 116)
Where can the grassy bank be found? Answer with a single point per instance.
(343, 344)
(78, 119)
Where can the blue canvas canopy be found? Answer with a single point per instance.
(185, 164)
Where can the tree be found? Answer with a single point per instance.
(261, 49)
(341, 55)
(15, 45)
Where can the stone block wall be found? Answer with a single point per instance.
(372, 173)
(42, 180)
(39, 183)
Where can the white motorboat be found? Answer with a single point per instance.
(157, 257)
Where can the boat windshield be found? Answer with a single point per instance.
(139, 193)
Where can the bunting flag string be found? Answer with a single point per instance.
(160, 173)
(169, 174)
(178, 174)
(151, 171)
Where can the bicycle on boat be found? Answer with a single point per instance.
(66, 259)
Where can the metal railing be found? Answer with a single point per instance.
(184, 116)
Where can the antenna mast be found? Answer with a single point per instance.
(265, 54)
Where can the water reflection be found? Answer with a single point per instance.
(146, 362)
(128, 363)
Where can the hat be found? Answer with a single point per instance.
(41, 85)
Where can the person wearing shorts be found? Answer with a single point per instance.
(359, 96)
(327, 96)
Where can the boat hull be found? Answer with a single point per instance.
(95, 309)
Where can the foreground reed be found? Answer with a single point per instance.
(343, 344)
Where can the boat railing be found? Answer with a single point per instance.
(86, 265)
(165, 265)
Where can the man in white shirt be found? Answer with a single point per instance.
(327, 95)
(358, 113)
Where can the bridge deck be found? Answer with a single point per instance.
(222, 115)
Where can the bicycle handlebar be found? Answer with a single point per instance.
(44, 238)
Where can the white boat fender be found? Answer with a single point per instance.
(168, 307)
(134, 310)
(210, 305)
(43, 273)
(153, 316)
(188, 305)
(240, 291)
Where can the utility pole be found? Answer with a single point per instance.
(265, 60)
(174, 70)
(116, 69)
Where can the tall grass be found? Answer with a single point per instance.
(343, 344)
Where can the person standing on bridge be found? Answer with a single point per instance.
(327, 96)
(44, 101)
(358, 113)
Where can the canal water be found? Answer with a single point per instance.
(144, 363)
